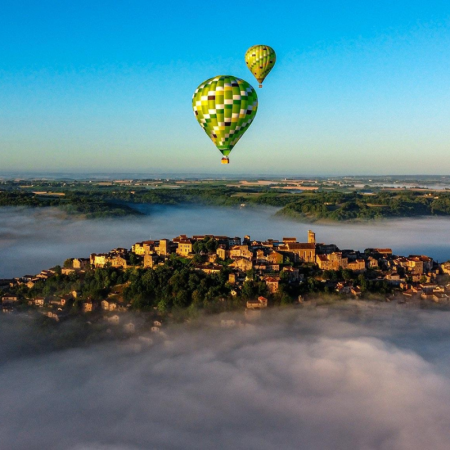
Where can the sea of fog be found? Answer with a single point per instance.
(36, 239)
(371, 376)
(358, 376)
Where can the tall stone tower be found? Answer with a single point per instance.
(311, 237)
(164, 249)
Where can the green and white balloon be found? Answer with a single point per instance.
(225, 106)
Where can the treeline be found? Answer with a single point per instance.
(88, 205)
(354, 206)
(10, 198)
(219, 196)
(103, 202)
(336, 206)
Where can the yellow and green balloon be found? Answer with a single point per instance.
(225, 106)
(260, 60)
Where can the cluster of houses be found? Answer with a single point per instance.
(112, 308)
(31, 280)
(271, 261)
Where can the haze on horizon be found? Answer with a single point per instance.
(358, 88)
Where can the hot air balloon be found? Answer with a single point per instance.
(260, 60)
(225, 106)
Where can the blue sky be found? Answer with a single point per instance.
(359, 87)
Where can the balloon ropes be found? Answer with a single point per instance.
(260, 60)
(225, 107)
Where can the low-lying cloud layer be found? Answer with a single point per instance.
(377, 379)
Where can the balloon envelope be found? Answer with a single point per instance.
(260, 60)
(225, 106)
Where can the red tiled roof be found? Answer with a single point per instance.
(300, 246)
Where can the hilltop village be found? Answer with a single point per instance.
(221, 273)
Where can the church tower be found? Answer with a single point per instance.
(311, 237)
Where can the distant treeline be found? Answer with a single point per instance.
(308, 206)
(90, 206)
(220, 196)
(338, 206)
(105, 202)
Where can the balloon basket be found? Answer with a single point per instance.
(260, 85)
(225, 161)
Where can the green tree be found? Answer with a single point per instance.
(362, 282)
(326, 275)
(347, 274)
(163, 307)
